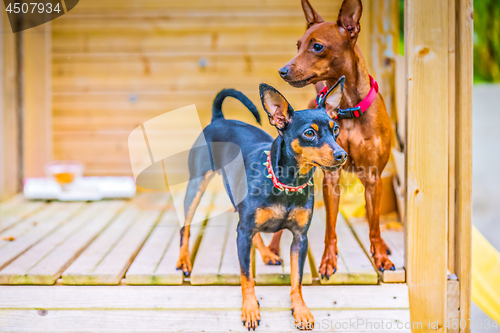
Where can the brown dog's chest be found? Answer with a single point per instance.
(362, 143)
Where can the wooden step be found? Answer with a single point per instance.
(197, 308)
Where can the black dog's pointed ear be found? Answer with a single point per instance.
(349, 16)
(312, 17)
(278, 109)
(333, 97)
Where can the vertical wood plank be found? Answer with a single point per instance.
(384, 38)
(463, 154)
(37, 118)
(451, 136)
(426, 49)
(9, 143)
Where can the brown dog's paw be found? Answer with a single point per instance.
(184, 264)
(383, 263)
(270, 258)
(250, 314)
(380, 256)
(304, 320)
(328, 265)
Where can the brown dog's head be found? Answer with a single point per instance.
(326, 47)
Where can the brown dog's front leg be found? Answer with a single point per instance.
(274, 246)
(268, 256)
(373, 194)
(331, 196)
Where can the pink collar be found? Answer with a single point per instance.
(360, 108)
(279, 185)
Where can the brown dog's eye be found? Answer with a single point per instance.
(309, 133)
(318, 47)
(336, 130)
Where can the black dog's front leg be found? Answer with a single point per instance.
(298, 256)
(250, 314)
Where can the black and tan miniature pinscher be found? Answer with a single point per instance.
(278, 174)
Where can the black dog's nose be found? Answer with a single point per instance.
(340, 156)
(283, 71)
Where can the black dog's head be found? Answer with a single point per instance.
(309, 135)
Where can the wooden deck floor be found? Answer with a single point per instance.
(100, 243)
(136, 243)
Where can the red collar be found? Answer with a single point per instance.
(360, 108)
(280, 186)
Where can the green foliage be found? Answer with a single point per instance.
(402, 27)
(487, 40)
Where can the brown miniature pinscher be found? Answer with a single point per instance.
(326, 52)
(278, 175)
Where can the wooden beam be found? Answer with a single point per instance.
(9, 143)
(37, 126)
(463, 153)
(384, 40)
(426, 50)
(451, 135)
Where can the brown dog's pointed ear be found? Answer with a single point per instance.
(277, 107)
(312, 17)
(349, 16)
(333, 97)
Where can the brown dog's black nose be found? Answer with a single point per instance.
(283, 71)
(340, 156)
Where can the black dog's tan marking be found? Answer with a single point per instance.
(306, 140)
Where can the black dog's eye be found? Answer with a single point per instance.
(318, 47)
(309, 133)
(336, 130)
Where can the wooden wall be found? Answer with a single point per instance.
(9, 134)
(116, 64)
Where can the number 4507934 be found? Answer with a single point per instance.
(32, 7)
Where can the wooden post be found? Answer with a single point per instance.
(463, 154)
(426, 50)
(37, 127)
(9, 143)
(384, 40)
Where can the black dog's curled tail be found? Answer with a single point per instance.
(217, 106)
